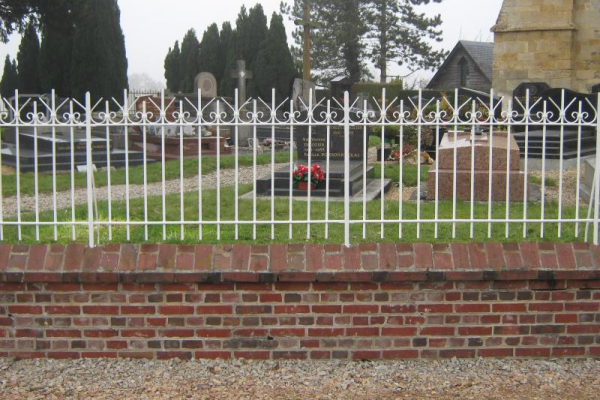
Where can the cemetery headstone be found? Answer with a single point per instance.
(57, 144)
(464, 143)
(241, 74)
(535, 89)
(207, 83)
(533, 133)
(339, 86)
(301, 93)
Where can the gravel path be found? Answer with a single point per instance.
(209, 181)
(451, 379)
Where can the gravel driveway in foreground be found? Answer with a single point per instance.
(239, 379)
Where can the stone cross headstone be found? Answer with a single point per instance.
(206, 82)
(301, 92)
(241, 74)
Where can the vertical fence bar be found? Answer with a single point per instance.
(544, 130)
(473, 122)
(254, 169)
(346, 169)
(145, 168)
(90, 172)
(72, 137)
(577, 195)
(108, 175)
(437, 171)
(18, 171)
(456, 118)
(36, 172)
(401, 173)
(309, 183)
(526, 167)
(420, 121)
(491, 162)
(236, 205)
(53, 122)
(181, 165)
(127, 205)
(218, 170)
(327, 163)
(597, 175)
(563, 112)
(291, 183)
(365, 163)
(163, 163)
(199, 118)
(508, 169)
(273, 120)
(383, 120)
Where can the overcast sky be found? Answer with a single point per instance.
(152, 26)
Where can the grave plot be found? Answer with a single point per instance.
(563, 136)
(323, 146)
(29, 147)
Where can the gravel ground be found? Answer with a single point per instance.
(451, 379)
(209, 181)
(569, 196)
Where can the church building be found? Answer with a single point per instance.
(469, 65)
(556, 42)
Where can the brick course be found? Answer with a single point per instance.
(373, 301)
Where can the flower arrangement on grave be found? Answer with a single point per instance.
(302, 175)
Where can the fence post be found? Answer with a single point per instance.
(347, 169)
(597, 175)
(89, 164)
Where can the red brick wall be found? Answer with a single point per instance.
(307, 302)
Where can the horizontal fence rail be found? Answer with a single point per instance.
(187, 168)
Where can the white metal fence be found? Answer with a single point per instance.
(77, 130)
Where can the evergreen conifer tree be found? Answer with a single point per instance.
(210, 52)
(337, 46)
(400, 34)
(57, 44)
(251, 35)
(274, 66)
(99, 61)
(227, 84)
(190, 61)
(28, 58)
(173, 68)
(346, 34)
(233, 52)
(225, 38)
(10, 78)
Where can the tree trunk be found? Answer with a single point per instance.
(383, 39)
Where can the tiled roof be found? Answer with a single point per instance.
(482, 53)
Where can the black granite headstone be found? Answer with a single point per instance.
(560, 140)
(316, 146)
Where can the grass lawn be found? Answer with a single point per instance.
(136, 174)
(281, 232)
(410, 173)
(172, 171)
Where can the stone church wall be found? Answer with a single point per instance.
(552, 41)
